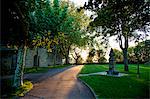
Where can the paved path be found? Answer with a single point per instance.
(37, 77)
(64, 85)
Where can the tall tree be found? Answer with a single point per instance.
(76, 56)
(25, 21)
(142, 52)
(73, 30)
(14, 33)
(120, 18)
(38, 21)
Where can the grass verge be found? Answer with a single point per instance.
(113, 87)
(43, 69)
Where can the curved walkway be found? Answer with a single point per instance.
(64, 85)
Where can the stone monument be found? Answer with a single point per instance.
(111, 70)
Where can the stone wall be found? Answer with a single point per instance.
(52, 60)
(30, 57)
(45, 58)
(8, 61)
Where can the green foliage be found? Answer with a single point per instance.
(125, 13)
(76, 56)
(118, 56)
(120, 18)
(98, 54)
(74, 30)
(22, 90)
(131, 55)
(56, 24)
(101, 56)
(102, 59)
(91, 55)
(43, 23)
(142, 51)
(113, 87)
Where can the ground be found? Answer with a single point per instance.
(63, 85)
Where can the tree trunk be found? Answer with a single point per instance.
(24, 59)
(67, 56)
(76, 61)
(37, 59)
(125, 59)
(55, 53)
(17, 76)
(67, 59)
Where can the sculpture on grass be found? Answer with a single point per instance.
(111, 70)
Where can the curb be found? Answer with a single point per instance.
(88, 87)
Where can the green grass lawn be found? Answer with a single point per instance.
(43, 69)
(113, 87)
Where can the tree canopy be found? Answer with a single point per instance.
(41, 23)
(120, 18)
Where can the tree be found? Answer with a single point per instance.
(91, 55)
(101, 56)
(25, 9)
(120, 18)
(142, 51)
(77, 57)
(32, 21)
(118, 56)
(131, 55)
(139, 53)
(14, 34)
(65, 26)
(39, 23)
(74, 31)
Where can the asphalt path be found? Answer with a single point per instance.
(63, 85)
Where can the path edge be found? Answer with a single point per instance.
(83, 82)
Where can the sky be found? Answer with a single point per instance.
(79, 2)
(112, 42)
